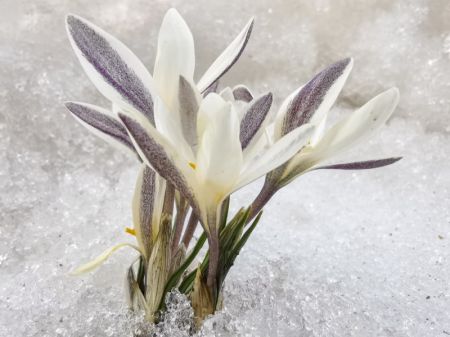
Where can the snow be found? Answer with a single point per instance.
(336, 254)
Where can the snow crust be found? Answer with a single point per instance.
(336, 254)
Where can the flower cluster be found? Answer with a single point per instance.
(196, 146)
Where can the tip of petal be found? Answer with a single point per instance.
(350, 61)
(395, 91)
(173, 11)
(72, 18)
(393, 94)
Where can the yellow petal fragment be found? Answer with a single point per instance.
(193, 165)
(101, 258)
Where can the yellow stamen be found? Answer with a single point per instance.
(130, 231)
(193, 165)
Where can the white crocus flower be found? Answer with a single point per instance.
(122, 78)
(219, 165)
(311, 104)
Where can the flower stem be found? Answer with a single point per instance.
(261, 200)
(190, 229)
(214, 251)
(169, 198)
(179, 222)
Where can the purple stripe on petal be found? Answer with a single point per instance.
(108, 63)
(235, 57)
(212, 88)
(362, 165)
(254, 118)
(159, 159)
(146, 205)
(103, 123)
(188, 111)
(241, 93)
(309, 98)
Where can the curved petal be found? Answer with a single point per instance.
(212, 88)
(355, 128)
(280, 152)
(281, 113)
(360, 124)
(101, 123)
(116, 72)
(158, 153)
(314, 100)
(242, 93)
(254, 118)
(189, 100)
(226, 60)
(95, 263)
(143, 206)
(219, 154)
(361, 165)
(175, 57)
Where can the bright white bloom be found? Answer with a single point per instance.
(205, 147)
(122, 78)
(311, 104)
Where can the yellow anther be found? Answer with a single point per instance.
(193, 165)
(130, 231)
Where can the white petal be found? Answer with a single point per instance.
(351, 130)
(226, 60)
(319, 131)
(85, 268)
(175, 57)
(113, 68)
(102, 123)
(239, 105)
(227, 94)
(279, 118)
(219, 155)
(331, 94)
(157, 152)
(317, 96)
(280, 152)
(168, 124)
(360, 124)
(160, 190)
(311, 103)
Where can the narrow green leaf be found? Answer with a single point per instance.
(175, 277)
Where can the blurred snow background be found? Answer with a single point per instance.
(337, 254)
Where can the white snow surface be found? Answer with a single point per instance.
(336, 254)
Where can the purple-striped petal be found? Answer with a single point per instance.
(143, 206)
(227, 59)
(241, 93)
(112, 67)
(212, 88)
(98, 121)
(317, 96)
(188, 111)
(254, 118)
(156, 155)
(362, 165)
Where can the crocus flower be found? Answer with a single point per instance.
(201, 146)
(221, 164)
(311, 104)
(123, 79)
